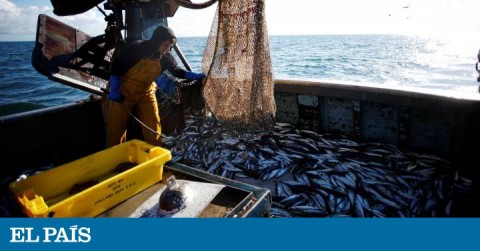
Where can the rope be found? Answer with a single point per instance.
(139, 121)
(162, 95)
(143, 124)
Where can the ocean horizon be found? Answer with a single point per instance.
(387, 60)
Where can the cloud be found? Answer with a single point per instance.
(191, 23)
(91, 22)
(16, 20)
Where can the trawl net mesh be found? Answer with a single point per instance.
(239, 86)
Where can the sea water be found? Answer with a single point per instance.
(392, 60)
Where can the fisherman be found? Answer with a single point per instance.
(132, 86)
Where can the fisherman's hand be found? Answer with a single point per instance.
(194, 76)
(114, 94)
(163, 82)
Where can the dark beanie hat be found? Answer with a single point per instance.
(161, 34)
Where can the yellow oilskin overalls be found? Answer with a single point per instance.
(138, 91)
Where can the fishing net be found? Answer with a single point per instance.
(239, 87)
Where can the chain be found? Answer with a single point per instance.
(178, 84)
(162, 95)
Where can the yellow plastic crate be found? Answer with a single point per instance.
(51, 193)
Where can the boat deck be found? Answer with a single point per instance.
(325, 175)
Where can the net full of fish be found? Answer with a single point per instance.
(237, 59)
(322, 175)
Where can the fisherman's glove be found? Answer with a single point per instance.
(194, 76)
(114, 94)
(164, 82)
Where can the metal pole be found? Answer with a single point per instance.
(180, 53)
(182, 57)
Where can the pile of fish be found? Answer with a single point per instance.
(322, 175)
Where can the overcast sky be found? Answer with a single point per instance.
(18, 18)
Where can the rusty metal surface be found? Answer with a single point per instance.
(399, 95)
(433, 129)
(53, 55)
(337, 115)
(444, 124)
(287, 109)
(56, 39)
(309, 112)
(380, 122)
